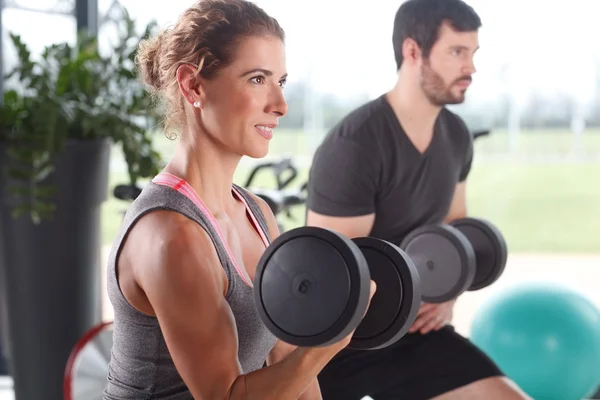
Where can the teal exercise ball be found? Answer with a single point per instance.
(544, 337)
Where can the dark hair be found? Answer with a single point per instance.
(206, 36)
(421, 20)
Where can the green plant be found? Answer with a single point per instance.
(74, 93)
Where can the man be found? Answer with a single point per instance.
(390, 166)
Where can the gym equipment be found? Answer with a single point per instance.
(544, 337)
(279, 169)
(127, 192)
(444, 259)
(491, 251)
(280, 199)
(481, 133)
(87, 366)
(312, 289)
(395, 304)
(468, 254)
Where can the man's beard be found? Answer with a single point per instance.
(435, 89)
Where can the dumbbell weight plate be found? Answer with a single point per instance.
(444, 259)
(490, 249)
(311, 287)
(396, 302)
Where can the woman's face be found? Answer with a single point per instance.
(242, 104)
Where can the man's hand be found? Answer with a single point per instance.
(433, 317)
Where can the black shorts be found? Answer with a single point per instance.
(417, 367)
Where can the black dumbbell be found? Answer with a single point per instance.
(312, 289)
(397, 300)
(467, 254)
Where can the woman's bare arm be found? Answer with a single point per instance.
(281, 349)
(185, 285)
(279, 353)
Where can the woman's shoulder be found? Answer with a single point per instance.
(169, 245)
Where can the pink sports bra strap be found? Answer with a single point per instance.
(186, 189)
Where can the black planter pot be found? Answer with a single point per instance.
(3, 328)
(52, 271)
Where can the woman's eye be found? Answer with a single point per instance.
(282, 83)
(258, 79)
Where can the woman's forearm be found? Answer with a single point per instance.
(313, 392)
(289, 379)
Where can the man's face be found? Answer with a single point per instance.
(446, 73)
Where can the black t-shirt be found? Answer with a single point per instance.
(367, 164)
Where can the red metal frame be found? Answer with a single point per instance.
(85, 339)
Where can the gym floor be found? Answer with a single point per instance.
(579, 272)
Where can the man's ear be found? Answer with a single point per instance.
(188, 84)
(411, 51)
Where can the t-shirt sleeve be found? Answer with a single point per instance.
(343, 179)
(468, 160)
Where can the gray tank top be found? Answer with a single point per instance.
(141, 366)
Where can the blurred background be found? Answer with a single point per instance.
(537, 90)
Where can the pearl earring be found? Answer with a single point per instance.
(197, 104)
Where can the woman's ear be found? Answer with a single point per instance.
(189, 85)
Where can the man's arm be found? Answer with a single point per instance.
(435, 316)
(351, 227)
(458, 207)
(342, 188)
(361, 226)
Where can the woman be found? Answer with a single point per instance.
(180, 273)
